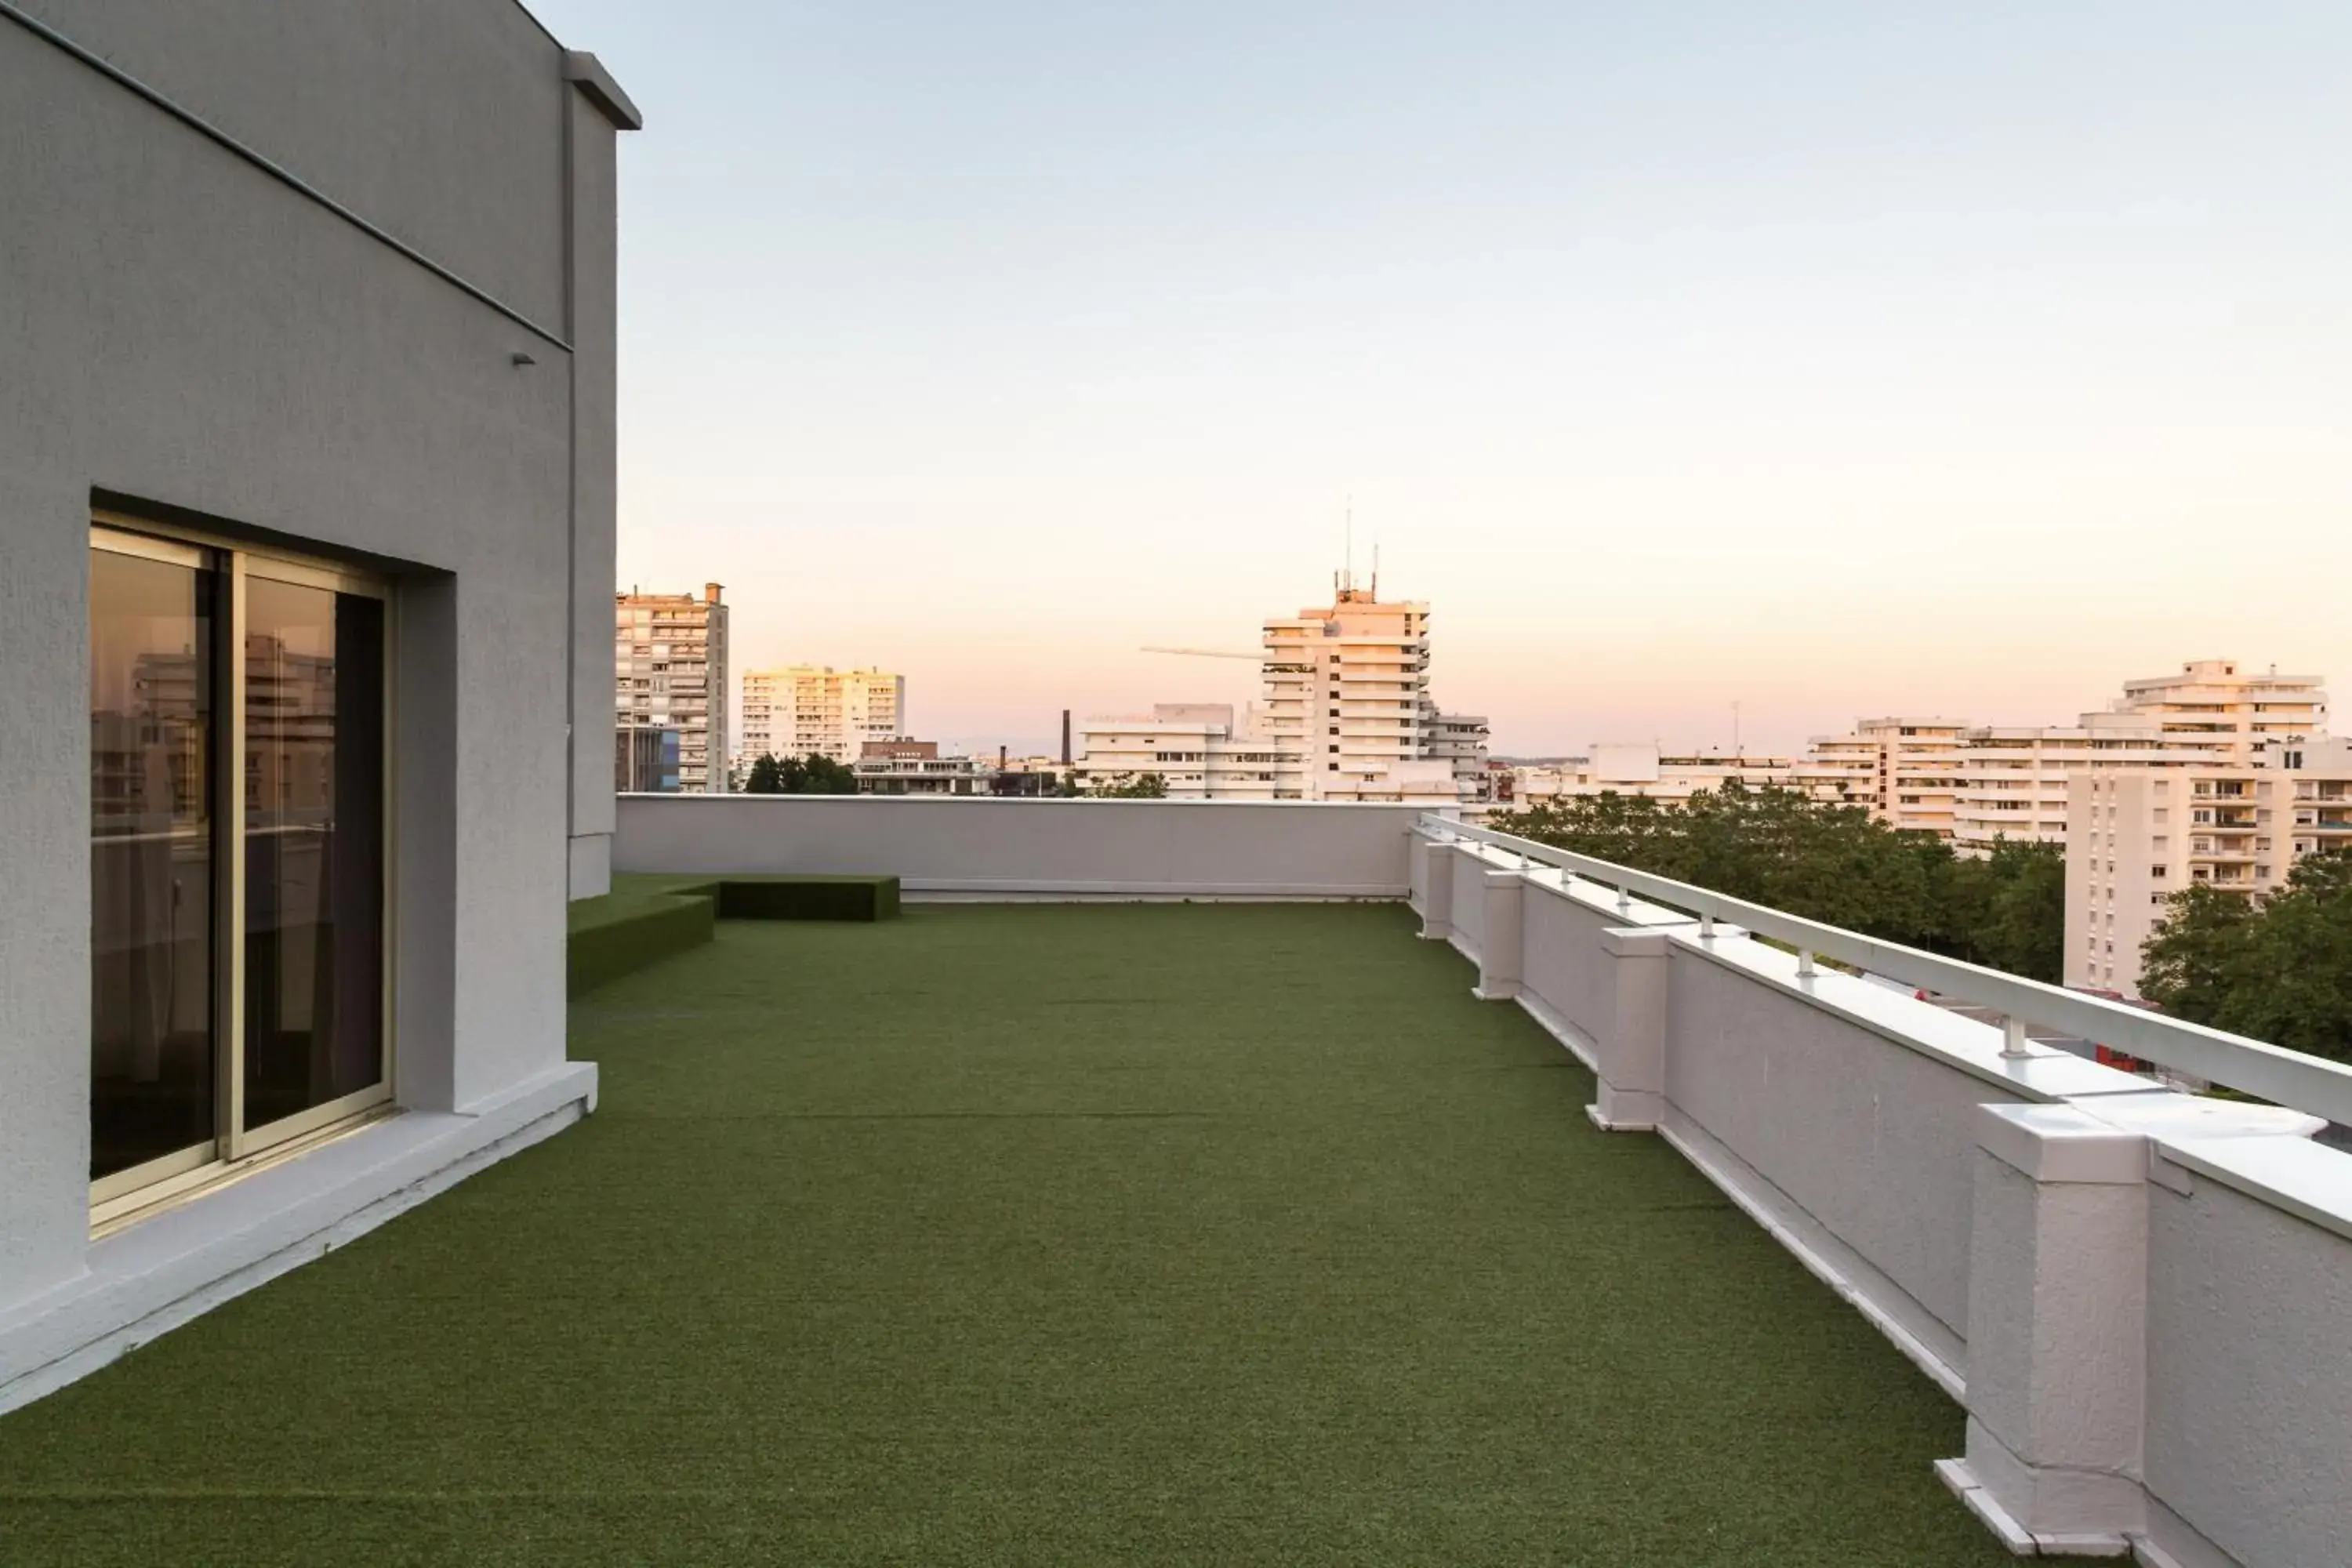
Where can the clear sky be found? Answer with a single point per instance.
(1827, 358)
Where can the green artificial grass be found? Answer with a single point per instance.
(1031, 1235)
(622, 932)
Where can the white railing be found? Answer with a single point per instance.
(2136, 1295)
(2253, 1066)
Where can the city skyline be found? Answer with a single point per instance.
(1828, 363)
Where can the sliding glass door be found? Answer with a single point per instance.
(153, 741)
(238, 709)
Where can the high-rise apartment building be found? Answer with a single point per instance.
(2212, 706)
(1345, 689)
(2015, 780)
(806, 707)
(1908, 771)
(669, 671)
(2137, 836)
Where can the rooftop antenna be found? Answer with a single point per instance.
(1348, 574)
(1376, 571)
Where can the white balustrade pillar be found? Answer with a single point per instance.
(1629, 1055)
(1500, 940)
(2057, 1320)
(1437, 867)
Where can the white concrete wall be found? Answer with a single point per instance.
(188, 336)
(2020, 1227)
(975, 846)
(2249, 1438)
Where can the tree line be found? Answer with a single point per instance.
(1828, 862)
(813, 774)
(2281, 972)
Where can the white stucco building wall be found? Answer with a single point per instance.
(393, 349)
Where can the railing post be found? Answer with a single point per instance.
(2057, 1319)
(1629, 1047)
(1500, 936)
(1437, 888)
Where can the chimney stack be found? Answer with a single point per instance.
(1065, 737)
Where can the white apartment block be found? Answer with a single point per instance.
(2212, 706)
(669, 671)
(806, 709)
(2137, 836)
(1346, 689)
(2014, 779)
(1643, 770)
(1841, 769)
(1195, 746)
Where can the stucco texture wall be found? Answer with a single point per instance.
(181, 328)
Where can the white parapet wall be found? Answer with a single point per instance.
(978, 848)
(2143, 1299)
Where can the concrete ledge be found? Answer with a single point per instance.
(1576, 1042)
(1891, 1311)
(2059, 1144)
(2023, 1542)
(919, 892)
(586, 72)
(158, 1273)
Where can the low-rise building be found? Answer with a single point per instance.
(904, 766)
(1197, 747)
(645, 760)
(1642, 769)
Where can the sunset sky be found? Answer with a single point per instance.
(1829, 359)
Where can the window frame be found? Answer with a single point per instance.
(234, 1148)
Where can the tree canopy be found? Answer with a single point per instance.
(813, 774)
(1131, 786)
(2282, 973)
(1827, 862)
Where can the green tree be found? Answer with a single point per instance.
(767, 777)
(1132, 786)
(1829, 862)
(814, 774)
(2294, 985)
(2202, 955)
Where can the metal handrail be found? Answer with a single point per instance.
(2306, 1083)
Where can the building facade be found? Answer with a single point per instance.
(669, 672)
(1644, 769)
(1197, 747)
(2137, 836)
(915, 767)
(1346, 692)
(644, 760)
(306, 424)
(2015, 780)
(2217, 707)
(810, 709)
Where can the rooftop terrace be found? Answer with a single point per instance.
(1033, 1233)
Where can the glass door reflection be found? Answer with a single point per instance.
(313, 700)
(152, 749)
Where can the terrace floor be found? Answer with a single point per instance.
(1031, 1234)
